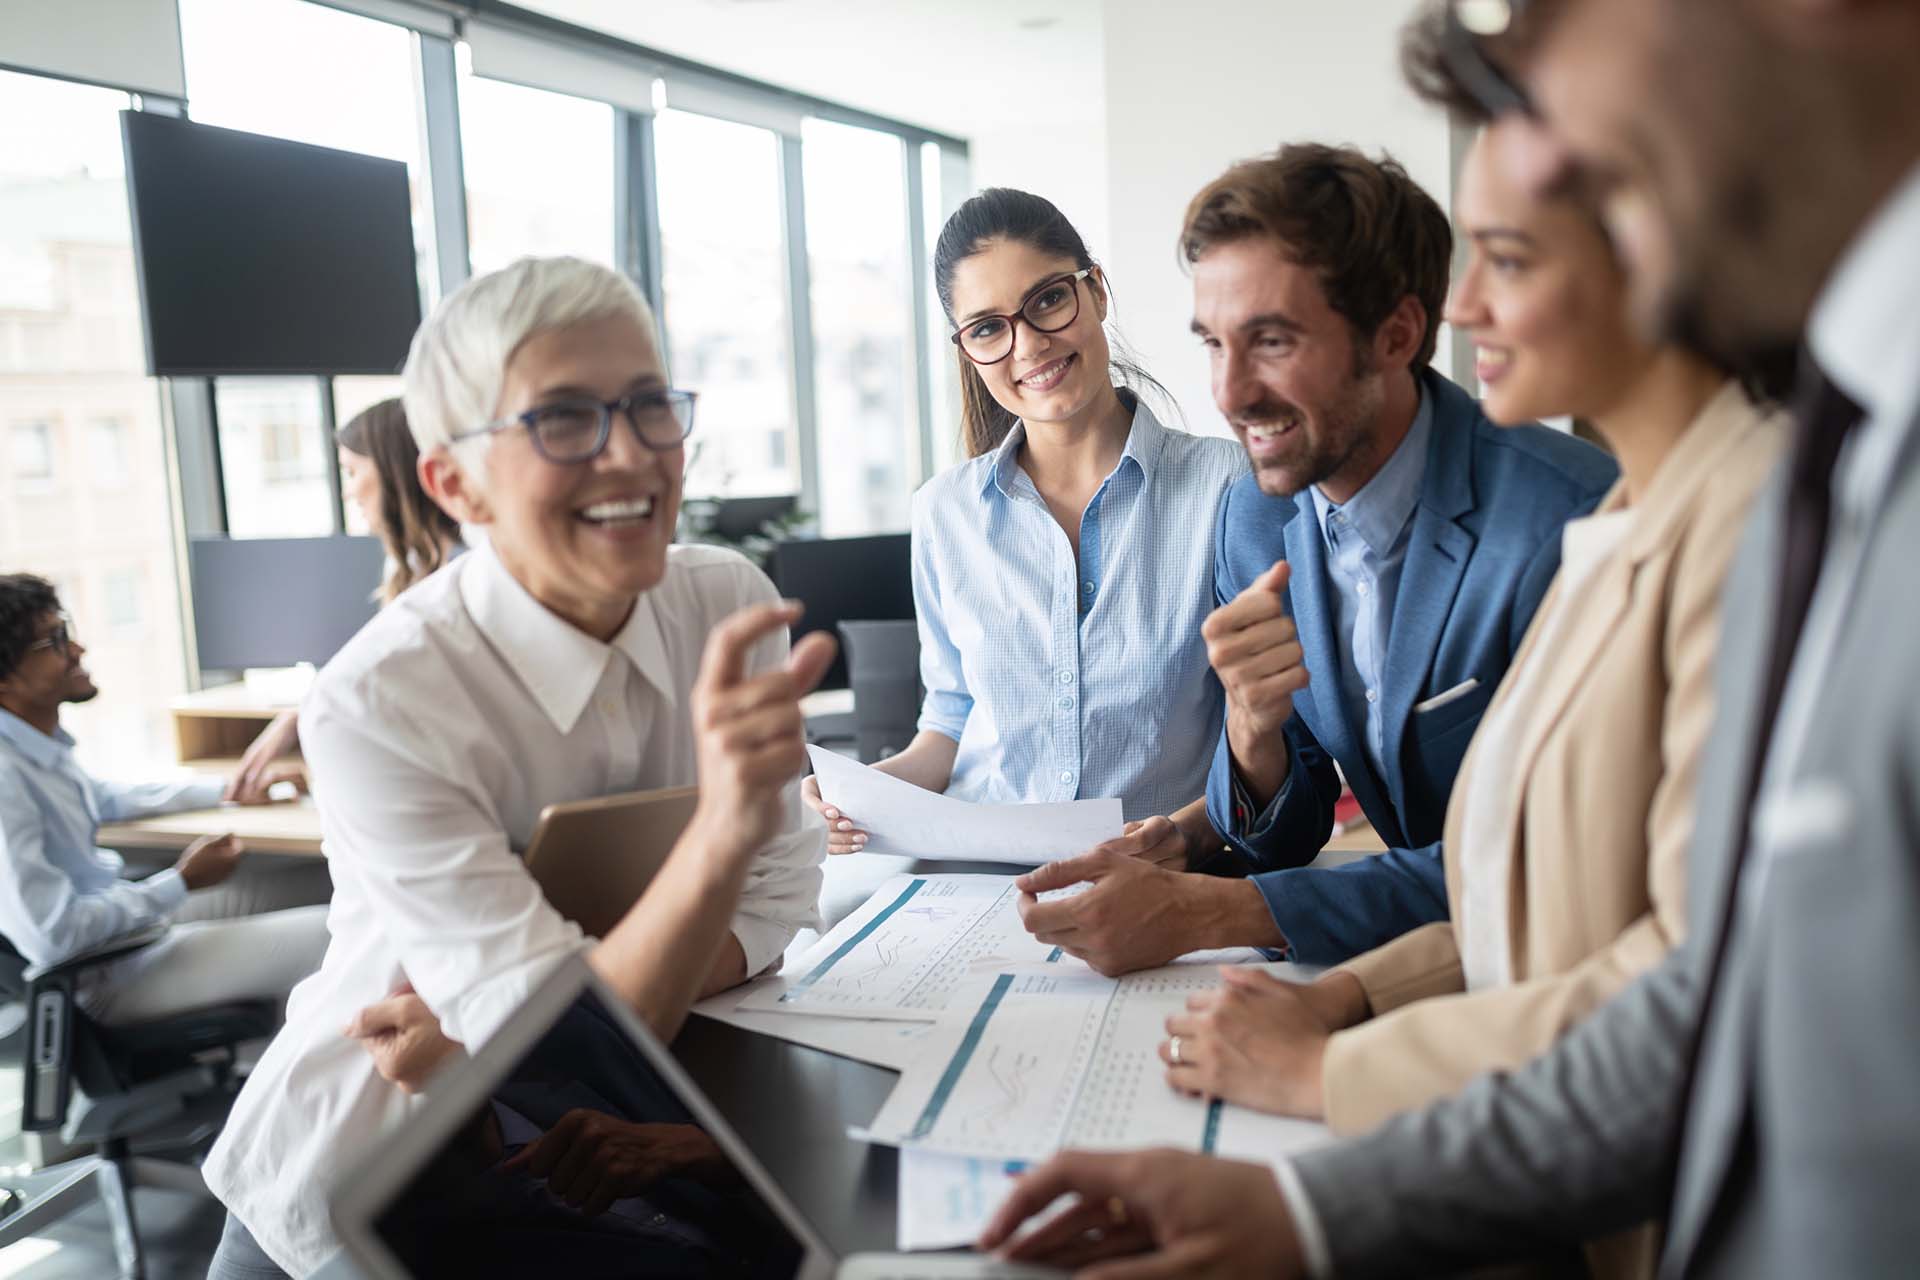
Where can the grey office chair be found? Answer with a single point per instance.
(130, 1091)
(883, 669)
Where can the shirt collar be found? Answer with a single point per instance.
(1146, 440)
(559, 664)
(34, 745)
(1864, 329)
(1385, 503)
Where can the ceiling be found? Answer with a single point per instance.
(966, 68)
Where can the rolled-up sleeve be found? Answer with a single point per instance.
(43, 913)
(948, 703)
(472, 930)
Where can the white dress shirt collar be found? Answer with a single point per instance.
(1865, 327)
(559, 664)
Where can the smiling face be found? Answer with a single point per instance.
(1541, 295)
(1049, 377)
(585, 539)
(1302, 392)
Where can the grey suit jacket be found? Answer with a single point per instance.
(1800, 1142)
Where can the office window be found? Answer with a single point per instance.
(863, 318)
(298, 70)
(32, 450)
(73, 363)
(107, 453)
(273, 457)
(539, 171)
(120, 600)
(944, 373)
(724, 277)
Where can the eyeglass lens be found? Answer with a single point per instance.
(1049, 309)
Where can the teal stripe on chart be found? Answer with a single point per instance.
(860, 935)
(1210, 1136)
(958, 1063)
(1057, 953)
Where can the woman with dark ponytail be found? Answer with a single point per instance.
(1062, 572)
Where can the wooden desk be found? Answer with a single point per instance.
(1358, 838)
(291, 829)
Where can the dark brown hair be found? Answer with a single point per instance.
(1370, 233)
(24, 600)
(1423, 62)
(417, 534)
(1002, 213)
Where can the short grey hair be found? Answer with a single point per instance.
(458, 362)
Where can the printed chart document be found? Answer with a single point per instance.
(884, 1043)
(945, 1201)
(1030, 1061)
(901, 818)
(904, 952)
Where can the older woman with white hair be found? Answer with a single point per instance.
(576, 654)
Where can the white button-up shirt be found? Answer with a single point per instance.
(435, 739)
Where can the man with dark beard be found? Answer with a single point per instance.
(1376, 571)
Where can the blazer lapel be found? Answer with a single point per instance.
(1437, 554)
(1313, 618)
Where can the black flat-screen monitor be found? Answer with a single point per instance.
(274, 602)
(845, 580)
(256, 255)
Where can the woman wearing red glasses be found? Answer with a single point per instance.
(1061, 573)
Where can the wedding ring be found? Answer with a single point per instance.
(1117, 1211)
(1174, 1052)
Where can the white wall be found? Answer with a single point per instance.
(1193, 88)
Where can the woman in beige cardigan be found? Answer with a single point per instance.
(1566, 836)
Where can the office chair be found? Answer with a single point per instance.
(883, 668)
(164, 1085)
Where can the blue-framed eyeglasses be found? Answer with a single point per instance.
(570, 431)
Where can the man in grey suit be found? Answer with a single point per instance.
(1759, 163)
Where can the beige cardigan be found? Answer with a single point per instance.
(1608, 757)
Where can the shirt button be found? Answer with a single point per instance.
(1066, 677)
(1066, 775)
(1066, 704)
(1372, 696)
(1361, 587)
(1087, 587)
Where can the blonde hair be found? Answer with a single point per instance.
(458, 362)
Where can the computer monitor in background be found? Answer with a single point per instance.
(845, 580)
(274, 602)
(738, 518)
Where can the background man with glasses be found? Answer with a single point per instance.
(1759, 163)
(1391, 545)
(60, 894)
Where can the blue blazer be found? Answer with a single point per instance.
(1485, 544)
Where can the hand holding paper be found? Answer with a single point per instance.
(900, 818)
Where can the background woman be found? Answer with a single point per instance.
(378, 462)
(1061, 573)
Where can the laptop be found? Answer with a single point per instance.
(594, 858)
(572, 1144)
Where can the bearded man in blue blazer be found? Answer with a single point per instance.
(1375, 575)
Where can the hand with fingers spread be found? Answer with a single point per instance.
(1259, 1041)
(250, 782)
(1255, 650)
(1151, 1215)
(750, 736)
(403, 1037)
(590, 1159)
(842, 835)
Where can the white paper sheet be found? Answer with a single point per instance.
(900, 818)
(890, 1044)
(945, 1201)
(1032, 1060)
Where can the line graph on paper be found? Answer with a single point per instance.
(905, 952)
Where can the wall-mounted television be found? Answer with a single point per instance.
(257, 255)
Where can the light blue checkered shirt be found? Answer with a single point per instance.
(1061, 682)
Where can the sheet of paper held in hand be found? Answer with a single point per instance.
(900, 818)
(1032, 1060)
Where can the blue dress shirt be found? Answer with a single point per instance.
(59, 893)
(1061, 680)
(1366, 539)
